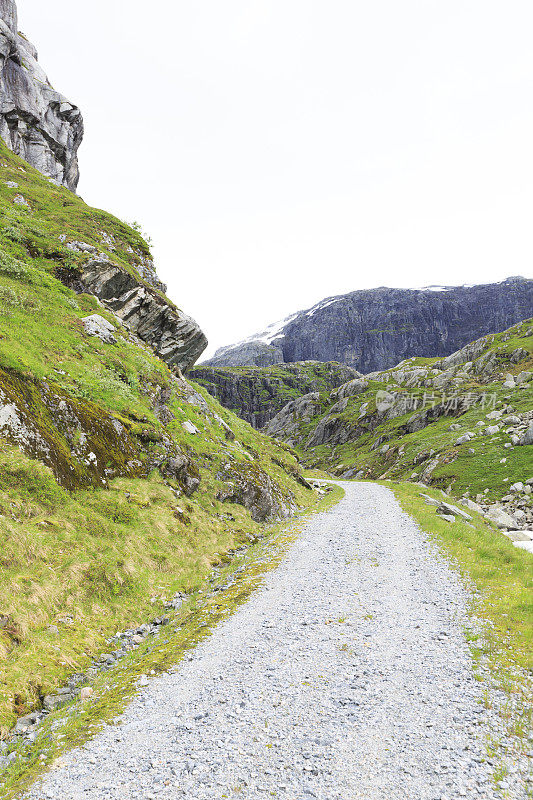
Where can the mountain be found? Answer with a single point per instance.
(377, 328)
(257, 393)
(36, 122)
(463, 423)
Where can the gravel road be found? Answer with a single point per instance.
(345, 676)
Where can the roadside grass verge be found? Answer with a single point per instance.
(113, 689)
(501, 573)
(501, 577)
(75, 567)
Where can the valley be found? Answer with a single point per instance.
(300, 569)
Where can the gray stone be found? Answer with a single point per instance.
(175, 337)
(448, 508)
(472, 505)
(96, 325)
(54, 701)
(500, 517)
(36, 122)
(527, 438)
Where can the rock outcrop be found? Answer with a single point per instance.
(36, 122)
(175, 337)
(257, 395)
(251, 487)
(465, 421)
(375, 329)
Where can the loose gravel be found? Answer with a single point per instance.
(347, 675)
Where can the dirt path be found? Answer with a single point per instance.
(346, 676)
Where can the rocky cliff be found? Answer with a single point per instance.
(257, 394)
(463, 423)
(36, 122)
(376, 329)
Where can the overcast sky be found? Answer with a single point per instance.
(282, 151)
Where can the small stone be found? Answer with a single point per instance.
(86, 693)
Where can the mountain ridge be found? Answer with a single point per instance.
(376, 328)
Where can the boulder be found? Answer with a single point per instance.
(182, 469)
(500, 517)
(96, 325)
(54, 701)
(527, 438)
(251, 487)
(472, 505)
(447, 509)
(175, 337)
(350, 389)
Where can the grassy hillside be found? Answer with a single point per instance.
(408, 423)
(120, 482)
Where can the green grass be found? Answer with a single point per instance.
(76, 724)
(501, 573)
(98, 557)
(69, 546)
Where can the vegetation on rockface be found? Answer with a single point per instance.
(406, 423)
(257, 393)
(111, 465)
(38, 219)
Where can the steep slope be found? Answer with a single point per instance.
(121, 483)
(376, 329)
(47, 227)
(36, 122)
(257, 394)
(463, 423)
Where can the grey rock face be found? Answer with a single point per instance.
(527, 438)
(254, 354)
(36, 122)
(176, 338)
(252, 488)
(257, 395)
(376, 329)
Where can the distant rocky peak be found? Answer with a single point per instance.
(374, 329)
(36, 122)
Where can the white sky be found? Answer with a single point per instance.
(282, 151)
